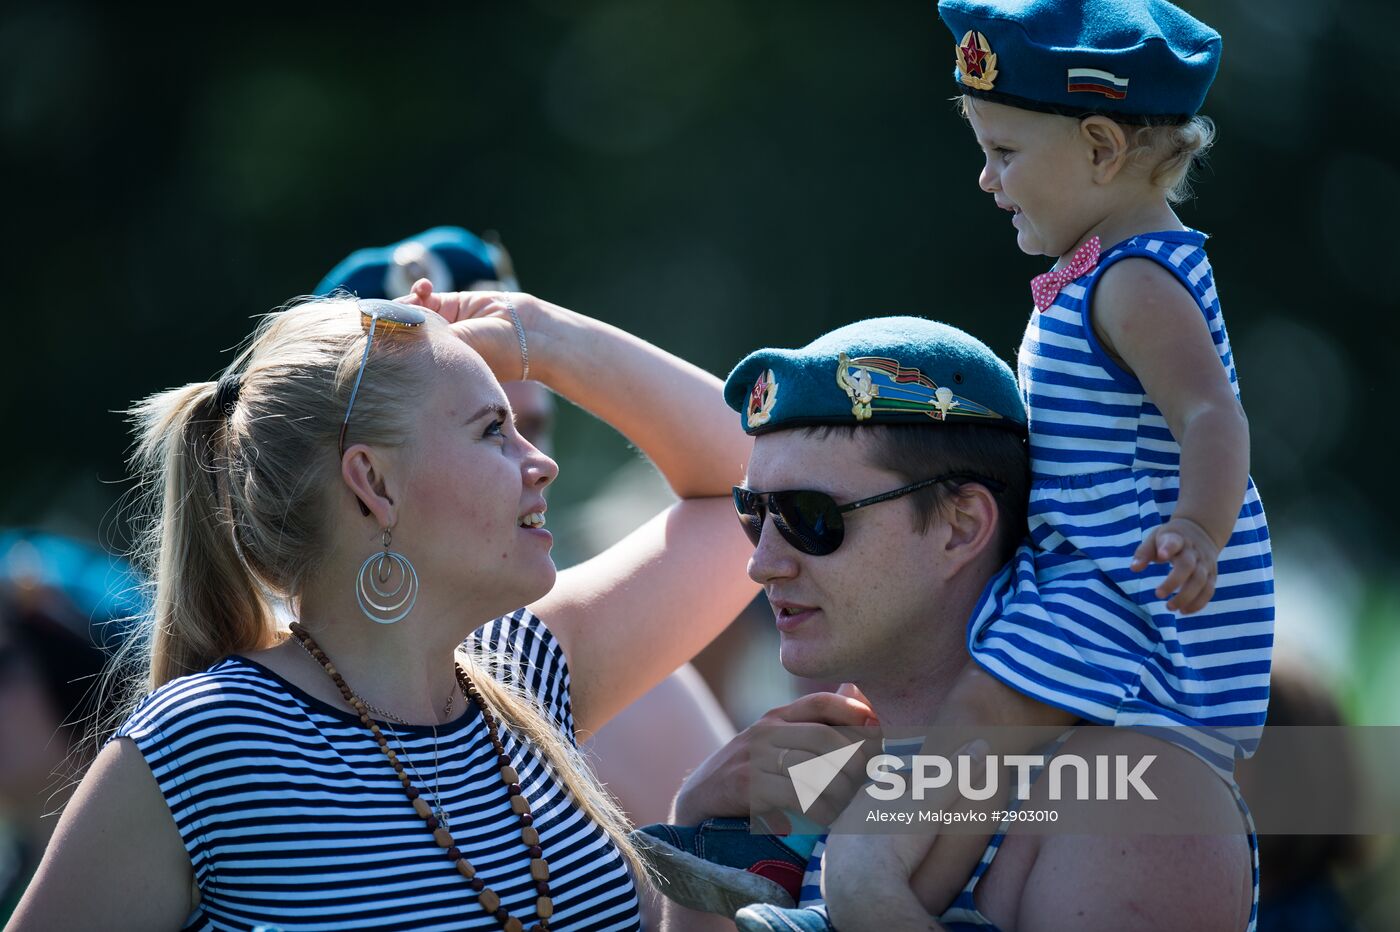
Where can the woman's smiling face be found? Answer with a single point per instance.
(473, 500)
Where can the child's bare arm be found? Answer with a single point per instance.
(1144, 316)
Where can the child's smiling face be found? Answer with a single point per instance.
(1040, 168)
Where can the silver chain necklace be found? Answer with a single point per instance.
(403, 752)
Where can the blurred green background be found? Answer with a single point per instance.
(712, 175)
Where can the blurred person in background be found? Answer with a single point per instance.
(644, 754)
(61, 605)
(1301, 875)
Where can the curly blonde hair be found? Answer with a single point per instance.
(1172, 152)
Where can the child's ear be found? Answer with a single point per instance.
(1108, 146)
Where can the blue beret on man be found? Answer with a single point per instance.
(887, 370)
(1138, 61)
(450, 257)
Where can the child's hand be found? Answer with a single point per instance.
(1193, 556)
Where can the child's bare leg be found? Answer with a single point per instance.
(979, 700)
(866, 882)
(883, 881)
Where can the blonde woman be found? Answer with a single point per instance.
(371, 771)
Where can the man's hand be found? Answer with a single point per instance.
(1193, 556)
(749, 774)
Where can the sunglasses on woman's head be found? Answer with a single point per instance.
(813, 522)
(375, 313)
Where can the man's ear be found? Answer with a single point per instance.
(971, 518)
(1107, 146)
(364, 473)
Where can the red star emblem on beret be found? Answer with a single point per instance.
(973, 57)
(756, 396)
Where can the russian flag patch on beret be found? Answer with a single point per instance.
(1095, 81)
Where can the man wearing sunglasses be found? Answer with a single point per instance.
(886, 493)
(888, 483)
(889, 455)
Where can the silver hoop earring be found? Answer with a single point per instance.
(387, 586)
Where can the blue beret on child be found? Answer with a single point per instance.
(451, 257)
(887, 370)
(1138, 61)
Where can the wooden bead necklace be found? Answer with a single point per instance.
(529, 836)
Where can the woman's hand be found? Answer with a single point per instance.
(482, 320)
(671, 410)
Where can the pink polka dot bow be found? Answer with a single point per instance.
(1045, 288)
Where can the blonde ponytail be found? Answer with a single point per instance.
(206, 603)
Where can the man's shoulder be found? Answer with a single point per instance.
(1149, 881)
(1141, 882)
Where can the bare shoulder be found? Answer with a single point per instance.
(1135, 300)
(1152, 881)
(116, 860)
(1137, 281)
(1143, 883)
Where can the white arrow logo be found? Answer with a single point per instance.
(811, 777)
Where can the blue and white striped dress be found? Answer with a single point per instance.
(294, 820)
(1068, 621)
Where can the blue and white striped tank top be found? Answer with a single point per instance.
(293, 819)
(1068, 621)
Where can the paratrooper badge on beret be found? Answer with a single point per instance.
(762, 399)
(874, 383)
(887, 370)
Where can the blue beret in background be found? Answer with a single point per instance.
(103, 589)
(887, 370)
(1140, 61)
(451, 257)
